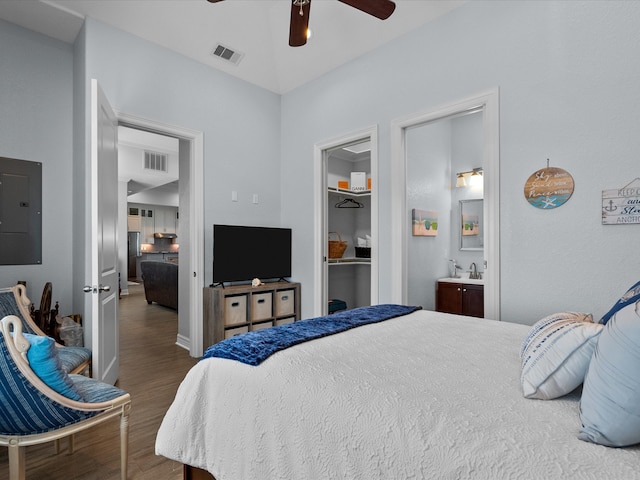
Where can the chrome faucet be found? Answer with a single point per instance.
(474, 275)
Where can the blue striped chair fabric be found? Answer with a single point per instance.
(33, 413)
(14, 301)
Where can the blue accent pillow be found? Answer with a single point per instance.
(44, 361)
(610, 403)
(631, 296)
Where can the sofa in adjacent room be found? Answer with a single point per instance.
(160, 281)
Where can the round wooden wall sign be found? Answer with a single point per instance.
(549, 188)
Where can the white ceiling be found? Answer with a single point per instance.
(259, 29)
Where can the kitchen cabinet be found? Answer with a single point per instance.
(166, 218)
(148, 225)
(151, 219)
(460, 298)
(134, 223)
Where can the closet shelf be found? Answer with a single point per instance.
(344, 191)
(350, 261)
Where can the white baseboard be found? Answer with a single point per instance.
(183, 342)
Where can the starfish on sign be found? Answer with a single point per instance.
(549, 202)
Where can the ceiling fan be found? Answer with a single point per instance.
(300, 9)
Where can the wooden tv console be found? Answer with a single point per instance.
(237, 309)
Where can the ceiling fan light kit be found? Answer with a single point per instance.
(300, 10)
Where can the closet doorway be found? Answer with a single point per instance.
(346, 215)
(488, 105)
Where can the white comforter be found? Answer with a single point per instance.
(424, 396)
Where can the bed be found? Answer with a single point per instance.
(421, 395)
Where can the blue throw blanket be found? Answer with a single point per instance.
(254, 347)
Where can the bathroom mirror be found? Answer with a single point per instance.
(471, 225)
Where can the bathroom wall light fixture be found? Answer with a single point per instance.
(475, 178)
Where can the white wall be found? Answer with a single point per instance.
(429, 188)
(240, 125)
(44, 117)
(36, 78)
(240, 122)
(568, 80)
(466, 154)
(435, 152)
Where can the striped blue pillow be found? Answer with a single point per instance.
(556, 353)
(631, 296)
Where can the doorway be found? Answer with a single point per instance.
(487, 104)
(148, 173)
(191, 207)
(350, 272)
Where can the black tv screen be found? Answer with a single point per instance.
(244, 253)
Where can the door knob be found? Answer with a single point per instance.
(101, 288)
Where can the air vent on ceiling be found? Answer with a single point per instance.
(155, 161)
(227, 54)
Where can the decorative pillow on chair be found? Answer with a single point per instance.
(631, 296)
(610, 404)
(44, 361)
(556, 353)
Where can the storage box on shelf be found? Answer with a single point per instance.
(229, 311)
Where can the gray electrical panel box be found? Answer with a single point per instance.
(20, 212)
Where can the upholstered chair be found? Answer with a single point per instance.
(14, 301)
(42, 403)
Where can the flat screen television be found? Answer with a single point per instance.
(243, 253)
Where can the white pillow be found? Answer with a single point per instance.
(556, 353)
(610, 403)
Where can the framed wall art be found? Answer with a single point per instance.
(424, 223)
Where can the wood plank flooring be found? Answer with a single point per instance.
(151, 368)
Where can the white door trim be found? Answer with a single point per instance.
(489, 102)
(320, 213)
(196, 221)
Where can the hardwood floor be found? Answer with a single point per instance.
(151, 368)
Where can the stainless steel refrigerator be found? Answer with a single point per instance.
(134, 252)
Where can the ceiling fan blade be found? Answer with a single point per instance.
(299, 24)
(381, 9)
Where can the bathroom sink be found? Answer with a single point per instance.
(464, 278)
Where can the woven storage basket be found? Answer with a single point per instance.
(336, 247)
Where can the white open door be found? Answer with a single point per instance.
(103, 244)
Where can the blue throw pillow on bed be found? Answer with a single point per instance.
(610, 404)
(631, 296)
(45, 363)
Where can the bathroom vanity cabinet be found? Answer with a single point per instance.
(460, 298)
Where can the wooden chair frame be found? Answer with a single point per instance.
(17, 345)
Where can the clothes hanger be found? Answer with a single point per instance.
(349, 203)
